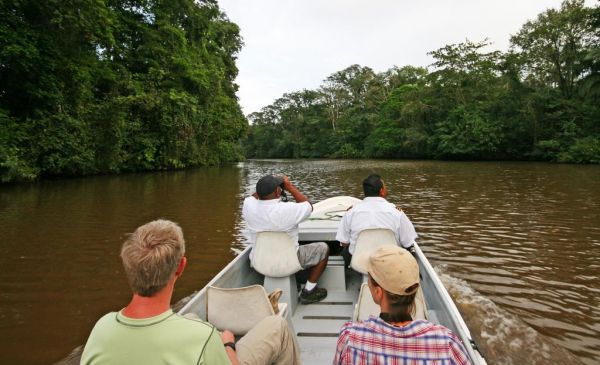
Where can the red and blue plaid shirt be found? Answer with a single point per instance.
(374, 342)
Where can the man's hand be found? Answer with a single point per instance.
(287, 184)
(227, 336)
(298, 196)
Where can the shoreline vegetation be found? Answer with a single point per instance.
(109, 86)
(104, 87)
(539, 101)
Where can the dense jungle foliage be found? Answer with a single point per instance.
(539, 101)
(103, 86)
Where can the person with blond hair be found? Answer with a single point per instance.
(147, 331)
(394, 337)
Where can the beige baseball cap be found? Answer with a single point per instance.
(394, 269)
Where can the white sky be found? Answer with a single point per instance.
(292, 45)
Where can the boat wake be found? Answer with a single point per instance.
(502, 337)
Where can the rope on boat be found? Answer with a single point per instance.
(329, 216)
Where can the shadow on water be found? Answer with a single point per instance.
(503, 338)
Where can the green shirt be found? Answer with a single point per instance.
(167, 338)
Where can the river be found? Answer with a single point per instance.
(517, 245)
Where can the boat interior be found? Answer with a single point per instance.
(316, 326)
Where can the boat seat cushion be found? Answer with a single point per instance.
(274, 254)
(368, 241)
(238, 309)
(365, 306)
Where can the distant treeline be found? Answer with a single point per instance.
(538, 101)
(101, 86)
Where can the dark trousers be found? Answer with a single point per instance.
(346, 255)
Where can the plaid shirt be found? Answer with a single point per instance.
(374, 342)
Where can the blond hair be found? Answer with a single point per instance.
(151, 256)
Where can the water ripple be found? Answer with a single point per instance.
(524, 237)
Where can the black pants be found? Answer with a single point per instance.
(346, 255)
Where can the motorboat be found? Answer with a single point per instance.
(316, 326)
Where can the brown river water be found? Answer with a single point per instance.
(516, 244)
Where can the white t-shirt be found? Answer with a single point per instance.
(273, 215)
(375, 212)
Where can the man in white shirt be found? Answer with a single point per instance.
(374, 211)
(264, 211)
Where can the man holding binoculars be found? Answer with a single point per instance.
(265, 211)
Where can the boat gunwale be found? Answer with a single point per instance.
(458, 324)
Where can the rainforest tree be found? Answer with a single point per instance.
(539, 100)
(95, 86)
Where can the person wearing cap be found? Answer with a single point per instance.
(147, 331)
(264, 211)
(374, 211)
(394, 337)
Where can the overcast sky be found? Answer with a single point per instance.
(290, 45)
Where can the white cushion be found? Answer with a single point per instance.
(274, 254)
(368, 241)
(365, 306)
(237, 309)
